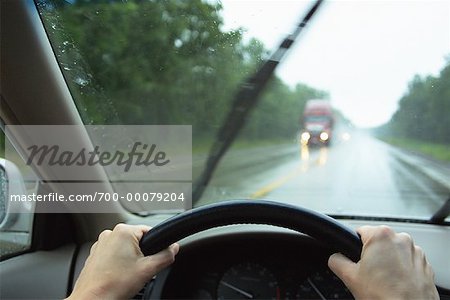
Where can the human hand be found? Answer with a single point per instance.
(116, 267)
(391, 267)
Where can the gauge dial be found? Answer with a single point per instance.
(248, 281)
(323, 285)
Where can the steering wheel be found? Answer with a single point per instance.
(319, 226)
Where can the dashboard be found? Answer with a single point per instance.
(255, 259)
(250, 266)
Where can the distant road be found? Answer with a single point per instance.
(359, 176)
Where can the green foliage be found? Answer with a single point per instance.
(164, 62)
(423, 112)
(437, 151)
(2, 143)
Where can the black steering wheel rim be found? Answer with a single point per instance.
(319, 226)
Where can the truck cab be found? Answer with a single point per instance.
(317, 123)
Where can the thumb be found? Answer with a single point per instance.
(156, 262)
(343, 267)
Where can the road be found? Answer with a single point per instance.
(361, 176)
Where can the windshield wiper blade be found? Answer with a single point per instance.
(443, 212)
(244, 101)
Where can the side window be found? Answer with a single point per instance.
(16, 216)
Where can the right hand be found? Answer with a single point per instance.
(391, 267)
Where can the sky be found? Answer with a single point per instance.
(362, 52)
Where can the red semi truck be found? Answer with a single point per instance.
(317, 123)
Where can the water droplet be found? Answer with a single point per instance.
(178, 43)
(67, 68)
(81, 81)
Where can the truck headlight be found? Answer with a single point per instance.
(305, 136)
(324, 136)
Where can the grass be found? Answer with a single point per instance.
(436, 151)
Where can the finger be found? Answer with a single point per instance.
(93, 247)
(104, 234)
(378, 232)
(136, 231)
(405, 238)
(157, 262)
(168, 253)
(429, 271)
(141, 230)
(343, 267)
(365, 232)
(91, 253)
(420, 259)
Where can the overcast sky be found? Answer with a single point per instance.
(363, 52)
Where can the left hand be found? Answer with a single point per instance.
(116, 267)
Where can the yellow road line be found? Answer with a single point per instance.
(303, 167)
(276, 183)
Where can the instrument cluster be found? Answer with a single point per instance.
(251, 266)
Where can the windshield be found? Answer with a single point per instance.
(317, 119)
(379, 69)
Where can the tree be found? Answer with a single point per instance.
(164, 62)
(423, 110)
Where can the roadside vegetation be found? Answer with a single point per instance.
(2, 144)
(165, 62)
(172, 62)
(436, 151)
(422, 120)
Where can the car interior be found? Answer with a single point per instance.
(284, 247)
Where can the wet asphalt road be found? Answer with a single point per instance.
(360, 176)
